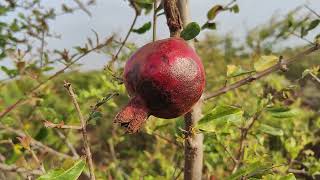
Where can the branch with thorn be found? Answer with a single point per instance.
(84, 129)
(282, 65)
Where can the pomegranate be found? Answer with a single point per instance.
(164, 79)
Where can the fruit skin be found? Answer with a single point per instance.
(165, 78)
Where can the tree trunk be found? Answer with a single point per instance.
(194, 142)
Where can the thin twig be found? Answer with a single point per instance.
(154, 26)
(82, 7)
(35, 157)
(125, 39)
(314, 77)
(70, 145)
(49, 124)
(33, 90)
(36, 143)
(261, 74)
(297, 171)
(300, 37)
(228, 152)
(314, 12)
(243, 137)
(42, 48)
(14, 168)
(168, 140)
(84, 129)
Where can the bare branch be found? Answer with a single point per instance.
(314, 77)
(243, 138)
(49, 124)
(14, 168)
(261, 74)
(154, 26)
(84, 130)
(313, 11)
(125, 39)
(83, 7)
(36, 143)
(61, 71)
(70, 145)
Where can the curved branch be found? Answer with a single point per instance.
(261, 74)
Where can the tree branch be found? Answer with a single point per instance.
(123, 43)
(14, 168)
(261, 74)
(243, 138)
(84, 129)
(68, 143)
(173, 17)
(154, 26)
(49, 124)
(61, 71)
(36, 143)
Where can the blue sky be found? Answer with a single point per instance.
(109, 16)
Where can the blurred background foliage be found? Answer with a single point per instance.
(283, 144)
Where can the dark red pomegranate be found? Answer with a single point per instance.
(164, 79)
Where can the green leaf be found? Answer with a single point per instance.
(81, 49)
(144, 28)
(288, 177)
(14, 26)
(42, 133)
(305, 73)
(282, 112)
(271, 130)
(265, 62)
(16, 154)
(212, 13)
(303, 31)
(251, 171)
(95, 115)
(144, 1)
(209, 25)
(190, 31)
(234, 71)
(9, 72)
(220, 115)
(313, 24)
(235, 8)
(71, 173)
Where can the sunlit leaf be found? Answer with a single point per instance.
(282, 112)
(72, 173)
(190, 31)
(234, 71)
(265, 62)
(271, 130)
(288, 177)
(220, 115)
(257, 168)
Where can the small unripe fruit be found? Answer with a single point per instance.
(164, 79)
